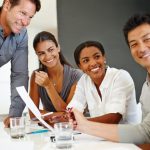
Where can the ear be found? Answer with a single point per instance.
(104, 58)
(58, 48)
(80, 67)
(6, 5)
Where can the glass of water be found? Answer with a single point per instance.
(63, 135)
(17, 127)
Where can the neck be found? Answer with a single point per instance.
(56, 72)
(148, 70)
(56, 77)
(98, 81)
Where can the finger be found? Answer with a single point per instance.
(38, 75)
(7, 123)
(39, 80)
(5, 120)
(43, 74)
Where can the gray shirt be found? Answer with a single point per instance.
(71, 76)
(14, 48)
(139, 133)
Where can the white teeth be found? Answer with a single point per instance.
(146, 55)
(95, 69)
(49, 61)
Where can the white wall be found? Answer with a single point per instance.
(45, 19)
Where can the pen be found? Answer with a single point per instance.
(49, 113)
(35, 119)
(75, 133)
(38, 131)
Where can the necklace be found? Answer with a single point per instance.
(54, 83)
(58, 77)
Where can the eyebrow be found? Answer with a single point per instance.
(51, 47)
(146, 35)
(141, 37)
(92, 55)
(84, 58)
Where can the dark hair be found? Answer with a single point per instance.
(43, 36)
(16, 2)
(135, 21)
(84, 45)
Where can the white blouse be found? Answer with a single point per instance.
(118, 95)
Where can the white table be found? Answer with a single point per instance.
(42, 141)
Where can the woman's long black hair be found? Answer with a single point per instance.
(44, 36)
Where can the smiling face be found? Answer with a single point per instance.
(48, 53)
(19, 16)
(92, 62)
(139, 43)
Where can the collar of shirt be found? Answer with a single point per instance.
(1, 32)
(148, 79)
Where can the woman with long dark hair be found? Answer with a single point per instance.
(55, 80)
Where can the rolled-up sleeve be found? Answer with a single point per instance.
(136, 134)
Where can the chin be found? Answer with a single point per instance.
(95, 76)
(15, 30)
(146, 65)
(51, 65)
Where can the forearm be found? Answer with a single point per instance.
(41, 111)
(133, 133)
(57, 101)
(106, 131)
(112, 118)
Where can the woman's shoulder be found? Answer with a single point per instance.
(119, 71)
(73, 71)
(120, 74)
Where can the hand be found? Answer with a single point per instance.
(7, 122)
(70, 114)
(56, 117)
(80, 121)
(41, 78)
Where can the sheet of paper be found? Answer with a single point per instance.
(29, 103)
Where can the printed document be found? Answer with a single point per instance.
(29, 103)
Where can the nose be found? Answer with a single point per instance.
(47, 56)
(25, 21)
(93, 62)
(142, 47)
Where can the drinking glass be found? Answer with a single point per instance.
(17, 127)
(63, 135)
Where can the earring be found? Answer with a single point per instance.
(106, 66)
